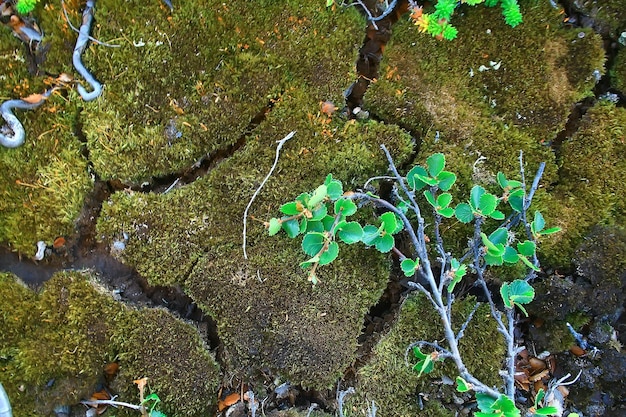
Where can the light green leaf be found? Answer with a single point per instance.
(351, 232)
(491, 246)
(497, 215)
(446, 212)
(538, 223)
(475, 194)
(370, 234)
(329, 3)
(546, 411)
(462, 385)
(347, 207)
(384, 243)
(527, 248)
(430, 198)
(318, 196)
(502, 181)
(292, 208)
(319, 213)
(435, 164)
(274, 226)
(409, 266)
(390, 222)
(550, 231)
(427, 180)
(330, 254)
(529, 264)
(444, 200)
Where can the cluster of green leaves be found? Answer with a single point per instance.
(321, 216)
(25, 6)
(425, 362)
(438, 24)
(151, 401)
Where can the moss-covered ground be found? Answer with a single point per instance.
(56, 344)
(189, 83)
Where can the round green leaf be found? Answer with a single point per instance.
(413, 181)
(351, 232)
(312, 243)
(318, 196)
(291, 209)
(462, 385)
(330, 254)
(347, 207)
(446, 212)
(464, 213)
(500, 235)
(390, 223)
(319, 213)
(409, 266)
(274, 226)
(475, 194)
(538, 223)
(370, 234)
(487, 203)
(435, 164)
(502, 181)
(444, 199)
(384, 243)
(527, 248)
(516, 200)
(430, 198)
(521, 292)
(497, 215)
(292, 227)
(510, 255)
(446, 180)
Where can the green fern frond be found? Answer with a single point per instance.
(511, 12)
(444, 9)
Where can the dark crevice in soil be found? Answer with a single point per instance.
(205, 164)
(377, 35)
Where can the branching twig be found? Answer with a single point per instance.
(245, 213)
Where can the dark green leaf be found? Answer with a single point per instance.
(328, 222)
(464, 213)
(484, 401)
(370, 234)
(316, 226)
(330, 254)
(510, 255)
(500, 235)
(347, 207)
(418, 353)
(292, 228)
(521, 291)
(435, 164)
(351, 232)
(539, 397)
(516, 200)
(334, 189)
(319, 213)
(274, 226)
(312, 243)
(413, 181)
(475, 194)
(494, 259)
(446, 180)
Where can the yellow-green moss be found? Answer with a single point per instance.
(394, 386)
(56, 343)
(590, 187)
(618, 72)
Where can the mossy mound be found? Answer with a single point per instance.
(268, 315)
(607, 16)
(394, 387)
(56, 343)
(590, 187)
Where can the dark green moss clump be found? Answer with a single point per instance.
(55, 345)
(391, 383)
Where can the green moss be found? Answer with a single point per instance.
(590, 182)
(618, 71)
(56, 343)
(389, 381)
(153, 344)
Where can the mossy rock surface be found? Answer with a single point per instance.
(388, 379)
(56, 343)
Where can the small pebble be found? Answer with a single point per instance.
(41, 250)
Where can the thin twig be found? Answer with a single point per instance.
(245, 213)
